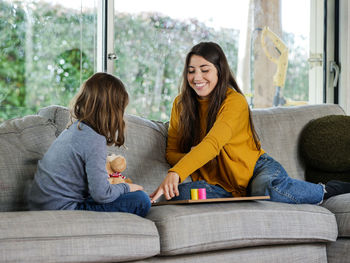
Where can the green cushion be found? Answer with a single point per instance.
(325, 144)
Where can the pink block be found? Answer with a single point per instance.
(202, 194)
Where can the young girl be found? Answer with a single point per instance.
(211, 138)
(72, 174)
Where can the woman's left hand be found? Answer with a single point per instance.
(169, 187)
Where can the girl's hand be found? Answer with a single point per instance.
(135, 187)
(169, 187)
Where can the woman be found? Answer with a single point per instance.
(212, 138)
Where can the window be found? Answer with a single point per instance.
(151, 41)
(153, 37)
(48, 48)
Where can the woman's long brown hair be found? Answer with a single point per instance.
(101, 103)
(189, 116)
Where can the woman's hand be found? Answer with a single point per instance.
(169, 187)
(135, 187)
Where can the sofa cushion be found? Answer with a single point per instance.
(279, 129)
(195, 228)
(339, 252)
(300, 253)
(23, 142)
(340, 206)
(325, 142)
(75, 236)
(324, 147)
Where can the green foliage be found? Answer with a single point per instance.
(152, 50)
(34, 41)
(70, 67)
(12, 58)
(297, 80)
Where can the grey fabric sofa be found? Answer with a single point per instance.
(250, 231)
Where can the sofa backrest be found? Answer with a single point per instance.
(279, 130)
(23, 142)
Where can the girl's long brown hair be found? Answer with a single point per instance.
(189, 116)
(101, 103)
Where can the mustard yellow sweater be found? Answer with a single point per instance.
(229, 143)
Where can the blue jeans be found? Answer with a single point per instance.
(270, 178)
(133, 202)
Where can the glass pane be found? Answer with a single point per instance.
(296, 35)
(47, 50)
(153, 37)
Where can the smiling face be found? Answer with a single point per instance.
(202, 76)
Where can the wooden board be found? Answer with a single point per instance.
(212, 200)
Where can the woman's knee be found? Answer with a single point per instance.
(259, 184)
(268, 174)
